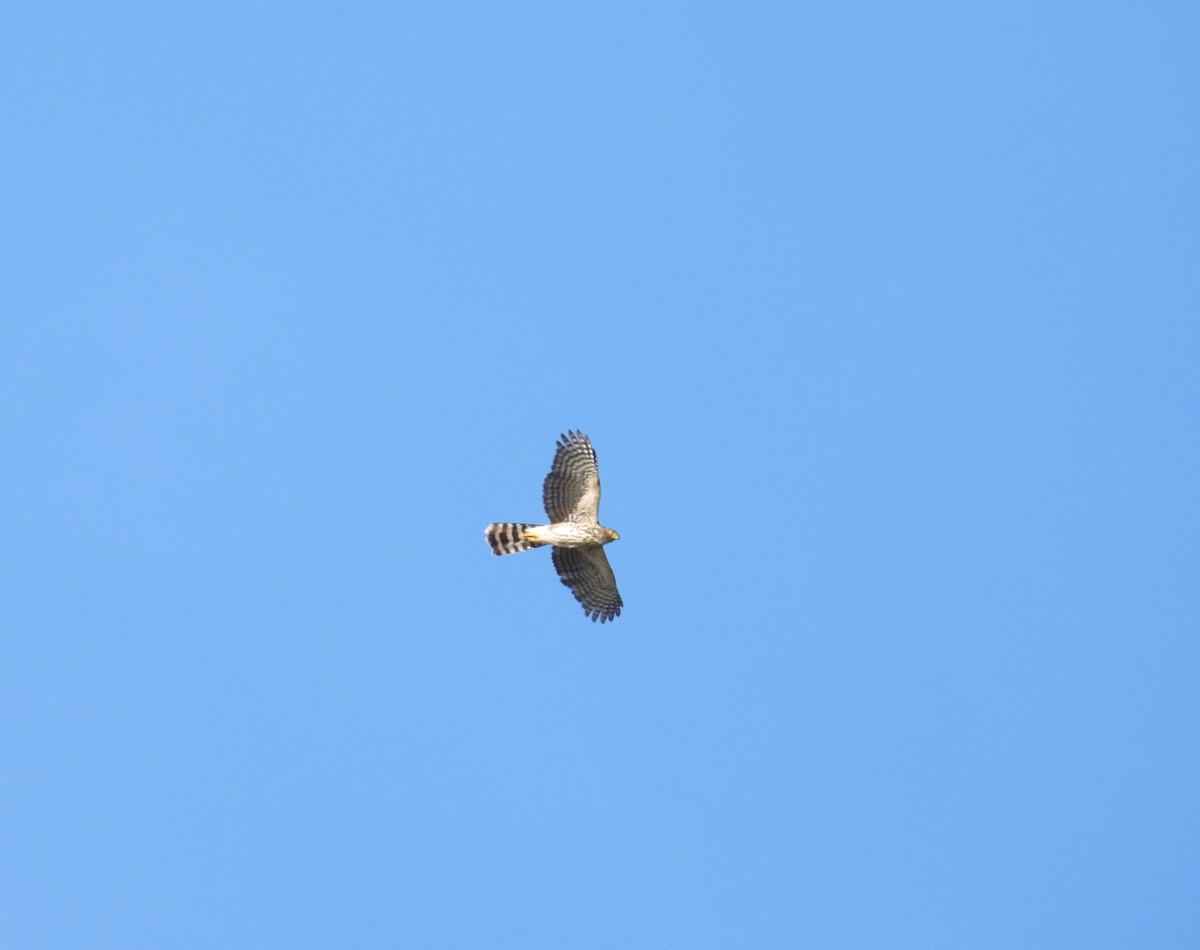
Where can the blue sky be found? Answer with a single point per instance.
(883, 321)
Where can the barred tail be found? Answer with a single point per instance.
(505, 537)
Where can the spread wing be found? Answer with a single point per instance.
(585, 570)
(571, 492)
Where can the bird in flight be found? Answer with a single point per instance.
(571, 494)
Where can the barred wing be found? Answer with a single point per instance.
(571, 492)
(585, 570)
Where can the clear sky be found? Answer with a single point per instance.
(883, 319)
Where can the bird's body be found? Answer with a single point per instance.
(571, 494)
(570, 534)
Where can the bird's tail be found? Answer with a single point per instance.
(505, 537)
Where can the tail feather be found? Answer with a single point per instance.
(507, 537)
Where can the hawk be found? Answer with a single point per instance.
(571, 494)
